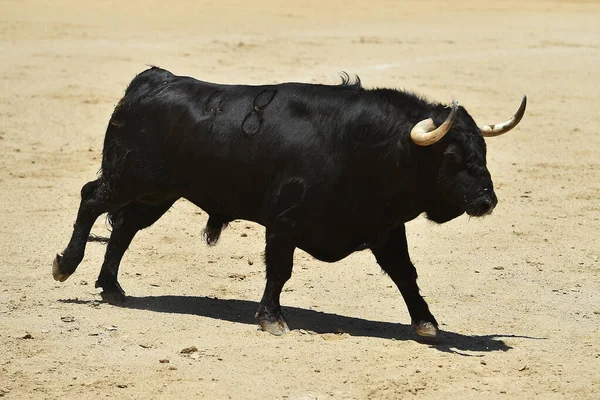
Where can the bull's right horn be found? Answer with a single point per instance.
(499, 129)
(425, 133)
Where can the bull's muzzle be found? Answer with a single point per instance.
(482, 205)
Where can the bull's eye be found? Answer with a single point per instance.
(453, 156)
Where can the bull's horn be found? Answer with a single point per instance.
(499, 129)
(425, 133)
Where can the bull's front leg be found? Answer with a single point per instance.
(279, 259)
(393, 258)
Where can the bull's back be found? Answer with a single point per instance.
(226, 148)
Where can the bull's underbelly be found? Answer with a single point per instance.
(323, 238)
(333, 253)
(327, 230)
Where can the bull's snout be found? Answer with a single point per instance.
(482, 204)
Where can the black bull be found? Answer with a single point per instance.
(327, 169)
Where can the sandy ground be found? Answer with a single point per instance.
(516, 293)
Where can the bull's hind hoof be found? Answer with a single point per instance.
(113, 297)
(274, 324)
(112, 292)
(426, 330)
(57, 273)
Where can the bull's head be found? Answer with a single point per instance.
(463, 180)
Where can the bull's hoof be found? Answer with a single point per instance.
(426, 330)
(274, 324)
(276, 328)
(112, 292)
(113, 297)
(57, 273)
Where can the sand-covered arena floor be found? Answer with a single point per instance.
(517, 293)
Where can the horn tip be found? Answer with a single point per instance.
(523, 104)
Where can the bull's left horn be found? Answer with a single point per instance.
(499, 129)
(425, 133)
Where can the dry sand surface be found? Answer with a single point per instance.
(516, 293)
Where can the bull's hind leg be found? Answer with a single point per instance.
(394, 260)
(93, 203)
(126, 222)
(279, 259)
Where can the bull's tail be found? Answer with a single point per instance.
(102, 239)
(99, 239)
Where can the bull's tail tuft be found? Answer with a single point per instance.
(98, 239)
(214, 226)
(102, 239)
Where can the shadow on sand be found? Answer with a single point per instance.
(242, 311)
